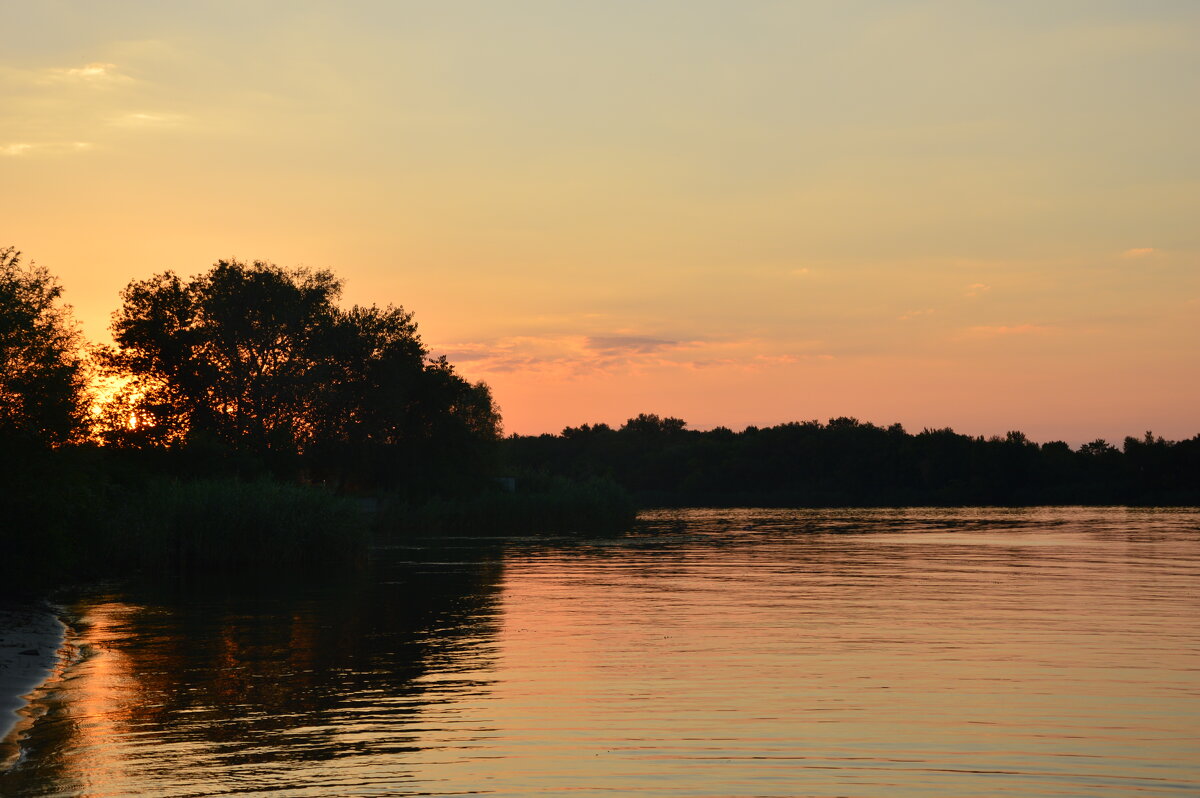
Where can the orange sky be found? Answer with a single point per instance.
(977, 215)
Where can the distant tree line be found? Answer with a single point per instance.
(846, 462)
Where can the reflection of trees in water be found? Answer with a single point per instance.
(255, 676)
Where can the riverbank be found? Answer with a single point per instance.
(31, 640)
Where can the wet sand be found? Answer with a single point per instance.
(31, 637)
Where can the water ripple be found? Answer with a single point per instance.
(736, 652)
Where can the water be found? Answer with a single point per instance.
(732, 653)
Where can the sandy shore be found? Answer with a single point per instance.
(31, 636)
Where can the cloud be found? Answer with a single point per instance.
(147, 119)
(94, 71)
(912, 314)
(1139, 252)
(580, 355)
(1014, 329)
(96, 74)
(627, 343)
(779, 359)
(19, 149)
(975, 289)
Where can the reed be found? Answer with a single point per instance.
(226, 524)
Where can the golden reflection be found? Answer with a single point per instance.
(103, 696)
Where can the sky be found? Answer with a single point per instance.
(965, 213)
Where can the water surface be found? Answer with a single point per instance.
(734, 653)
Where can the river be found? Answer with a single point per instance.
(963, 652)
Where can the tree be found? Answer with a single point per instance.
(231, 354)
(1098, 448)
(43, 395)
(388, 413)
(261, 360)
(652, 424)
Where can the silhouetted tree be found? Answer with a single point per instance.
(388, 413)
(42, 381)
(1098, 448)
(233, 353)
(261, 360)
(652, 424)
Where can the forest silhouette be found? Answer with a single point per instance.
(847, 462)
(251, 418)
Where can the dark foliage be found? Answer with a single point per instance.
(82, 511)
(257, 366)
(42, 380)
(846, 462)
(250, 400)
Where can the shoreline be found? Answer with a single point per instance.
(32, 637)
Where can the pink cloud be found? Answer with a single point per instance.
(628, 343)
(571, 356)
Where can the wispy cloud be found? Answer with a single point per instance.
(93, 72)
(147, 119)
(97, 74)
(614, 344)
(1139, 252)
(55, 111)
(579, 355)
(976, 289)
(19, 149)
(912, 314)
(780, 360)
(989, 331)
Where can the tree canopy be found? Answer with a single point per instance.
(42, 380)
(261, 360)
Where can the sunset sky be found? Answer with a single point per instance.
(983, 215)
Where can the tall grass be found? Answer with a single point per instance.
(540, 505)
(228, 524)
(66, 517)
(64, 528)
